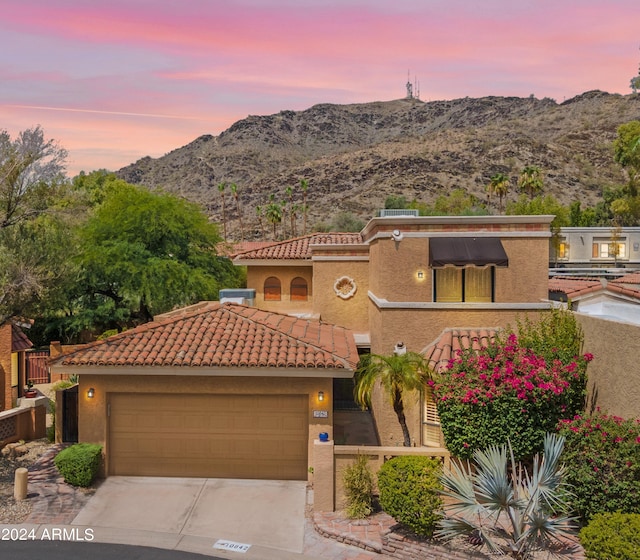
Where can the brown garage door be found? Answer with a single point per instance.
(218, 436)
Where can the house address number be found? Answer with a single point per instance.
(320, 414)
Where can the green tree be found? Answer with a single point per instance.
(530, 180)
(396, 202)
(397, 374)
(304, 186)
(455, 203)
(499, 185)
(273, 214)
(144, 253)
(221, 188)
(626, 149)
(234, 192)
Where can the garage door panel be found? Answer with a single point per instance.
(227, 436)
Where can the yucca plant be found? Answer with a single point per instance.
(511, 513)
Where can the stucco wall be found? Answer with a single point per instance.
(614, 373)
(256, 275)
(352, 312)
(92, 413)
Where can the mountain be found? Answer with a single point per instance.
(355, 156)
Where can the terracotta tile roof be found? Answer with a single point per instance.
(631, 278)
(300, 247)
(223, 335)
(227, 249)
(574, 287)
(19, 340)
(623, 290)
(440, 351)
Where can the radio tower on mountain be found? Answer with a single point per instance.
(413, 90)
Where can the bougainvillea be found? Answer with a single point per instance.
(506, 392)
(603, 456)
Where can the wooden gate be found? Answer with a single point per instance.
(70, 414)
(38, 367)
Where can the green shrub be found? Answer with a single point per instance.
(79, 464)
(602, 454)
(612, 536)
(358, 487)
(410, 492)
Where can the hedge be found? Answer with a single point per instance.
(80, 463)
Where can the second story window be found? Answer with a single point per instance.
(299, 289)
(469, 284)
(272, 289)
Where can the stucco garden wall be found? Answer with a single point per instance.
(614, 373)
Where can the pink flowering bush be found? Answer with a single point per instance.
(506, 392)
(602, 454)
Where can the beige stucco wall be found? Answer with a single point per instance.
(92, 413)
(614, 373)
(256, 275)
(352, 312)
(6, 398)
(526, 279)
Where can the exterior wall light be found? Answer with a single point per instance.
(320, 396)
(90, 393)
(420, 274)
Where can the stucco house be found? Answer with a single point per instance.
(229, 390)
(211, 390)
(408, 278)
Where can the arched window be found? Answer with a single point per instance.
(272, 289)
(299, 290)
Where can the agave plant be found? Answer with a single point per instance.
(511, 513)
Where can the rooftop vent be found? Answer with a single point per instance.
(244, 296)
(391, 212)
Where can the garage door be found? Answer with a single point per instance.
(217, 436)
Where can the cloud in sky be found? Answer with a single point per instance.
(118, 81)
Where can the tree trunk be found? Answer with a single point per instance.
(398, 408)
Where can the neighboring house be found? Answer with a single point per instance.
(13, 346)
(211, 390)
(617, 299)
(596, 247)
(407, 279)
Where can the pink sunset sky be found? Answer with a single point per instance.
(115, 81)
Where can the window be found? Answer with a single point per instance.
(563, 250)
(609, 250)
(272, 289)
(469, 284)
(299, 289)
(431, 421)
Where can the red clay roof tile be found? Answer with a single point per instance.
(300, 247)
(440, 351)
(223, 335)
(19, 340)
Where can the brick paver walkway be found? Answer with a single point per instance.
(53, 500)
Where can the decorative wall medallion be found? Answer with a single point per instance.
(345, 287)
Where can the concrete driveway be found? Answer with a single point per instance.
(263, 513)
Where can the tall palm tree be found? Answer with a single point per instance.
(260, 214)
(304, 185)
(499, 185)
(500, 505)
(397, 374)
(234, 191)
(221, 188)
(273, 214)
(530, 180)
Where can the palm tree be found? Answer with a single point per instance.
(221, 188)
(511, 513)
(273, 214)
(260, 214)
(499, 185)
(530, 180)
(304, 185)
(234, 191)
(397, 374)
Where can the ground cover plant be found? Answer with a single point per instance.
(604, 456)
(516, 389)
